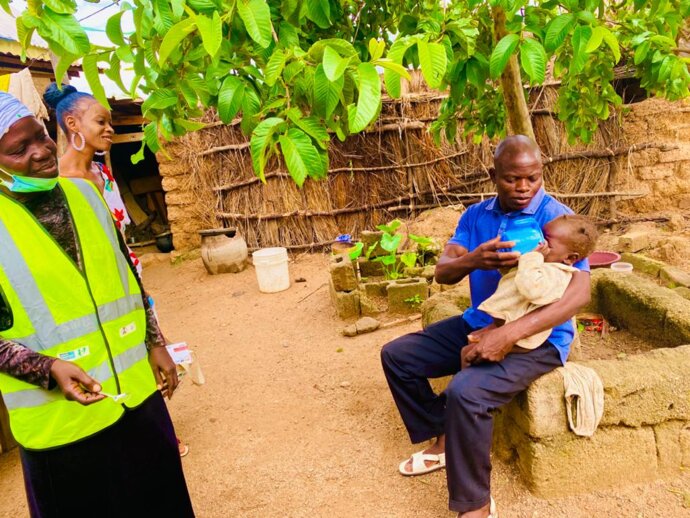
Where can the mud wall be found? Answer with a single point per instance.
(664, 175)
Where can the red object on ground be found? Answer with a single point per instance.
(603, 259)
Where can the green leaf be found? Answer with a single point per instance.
(256, 16)
(391, 228)
(230, 98)
(159, 100)
(275, 66)
(301, 157)
(396, 54)
(501, 54)
(125, 54)
(203, 5)
(319, 12)
(66, 32)
(409, 259)
(261, 141)
(387, 64)
(190, 125)
(433, 60)
(211, 30)
(612, 42)
(251, 105)
(292, 69)
(557, 30)
(641, 52)
(177, 7)
(581, 36)
(312, 126)
(163, 18)
(533, 59)
(113, 29)
(596, 39)
(90, 67)
(390, 242)
(326, 93)
(61, 6)
(376, 49)
(333, 65)
(174, 37)
(64, 62)
(342, 47)
(114, 72)
(368, 100)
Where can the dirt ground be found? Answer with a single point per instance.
(296, 420)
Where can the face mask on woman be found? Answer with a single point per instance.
(26, 184)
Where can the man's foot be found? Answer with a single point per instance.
(488, 511)
(429, 463)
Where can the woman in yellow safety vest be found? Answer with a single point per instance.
(81, 355)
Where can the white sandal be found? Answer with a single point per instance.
(419, 466)
(493, 513)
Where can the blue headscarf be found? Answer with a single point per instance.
(11, 110)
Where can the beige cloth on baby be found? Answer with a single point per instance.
(584, 398)
(531, 285)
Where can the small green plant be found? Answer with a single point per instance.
(427, 248)
(414, 301)
(390, 242)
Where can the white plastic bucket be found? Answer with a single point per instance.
(271, 266)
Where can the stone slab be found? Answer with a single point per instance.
(369, 238)
(445, 304)
(369, 268)
(683, 292)
(639, 390)
(669, 454)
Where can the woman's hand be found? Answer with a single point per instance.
(75, 384)
(164, 370)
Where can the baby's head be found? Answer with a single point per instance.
(570, 239)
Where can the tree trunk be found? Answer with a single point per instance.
(519, 122)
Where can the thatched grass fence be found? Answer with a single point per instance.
(392, 170)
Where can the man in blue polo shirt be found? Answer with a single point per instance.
(459, 420)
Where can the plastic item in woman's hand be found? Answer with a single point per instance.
(525, 232)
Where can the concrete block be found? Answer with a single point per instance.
(674, 277)
(675, 155)
(376, 288)
(643, 264)
(369, 268)
(646, 389)
(369, 238)
(343, 274)
(445, 304)
(402, 290)
(372, 306)
(633, 241)
(668, 450)
(677, 322)
(567, 464)
(346, 303)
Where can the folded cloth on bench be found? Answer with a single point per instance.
(584, 398)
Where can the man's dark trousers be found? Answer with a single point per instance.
(463, 410)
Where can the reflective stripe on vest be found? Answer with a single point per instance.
(37, 397)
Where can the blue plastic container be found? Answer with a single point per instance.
(525, 232)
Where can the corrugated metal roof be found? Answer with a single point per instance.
(8, 31)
